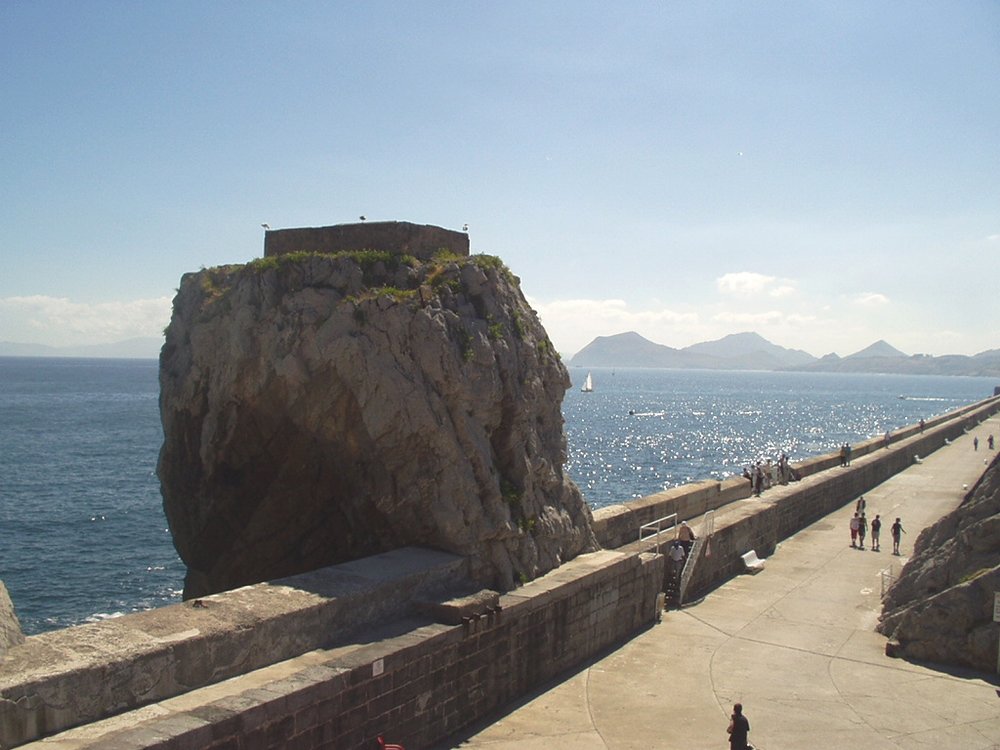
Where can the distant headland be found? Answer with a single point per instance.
(751, 351)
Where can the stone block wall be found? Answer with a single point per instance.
(413, 680)
(64, 678)
(419, 240)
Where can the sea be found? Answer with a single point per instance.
(82, 531)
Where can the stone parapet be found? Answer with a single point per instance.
(413, 680)
(64, 678)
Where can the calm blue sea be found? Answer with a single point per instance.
(82, 532)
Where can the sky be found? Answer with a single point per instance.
(825, 174)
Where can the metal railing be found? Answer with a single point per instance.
(658, 527)
(704, 541)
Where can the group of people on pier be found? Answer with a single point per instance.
(763, 475)
(859, 529)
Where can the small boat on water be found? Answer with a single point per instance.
(588, 384)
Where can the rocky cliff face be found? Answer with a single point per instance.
(941, 608)
(319, 408)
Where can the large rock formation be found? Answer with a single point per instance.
(322, 407)
(941, 608)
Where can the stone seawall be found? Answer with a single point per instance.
(409, 677)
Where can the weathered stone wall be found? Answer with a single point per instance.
(67, 677)
(415, 680)
(419, 240)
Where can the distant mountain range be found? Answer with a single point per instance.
(138, 348)
(751, 351)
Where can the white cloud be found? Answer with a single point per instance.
(993, 238)
(58, 321)
(744, 282)
(870, 299)
(747, 283)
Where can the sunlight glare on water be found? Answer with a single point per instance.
(643, 431)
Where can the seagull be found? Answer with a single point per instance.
(362, 217)
(266, 227)
(465, 227)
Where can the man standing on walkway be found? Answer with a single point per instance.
(896, 529)
(855, 525)
(876, 531)
(738, 729)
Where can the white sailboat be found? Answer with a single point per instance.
(588, 384)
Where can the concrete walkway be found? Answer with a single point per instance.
(795, 644)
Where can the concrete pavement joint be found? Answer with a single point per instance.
(590, 707)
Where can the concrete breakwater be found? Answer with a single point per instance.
(397, 644)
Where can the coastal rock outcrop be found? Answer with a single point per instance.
(10, 627)
(322, 407)
(941, 607)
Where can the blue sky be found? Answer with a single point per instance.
(826, 174)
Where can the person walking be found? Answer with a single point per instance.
(862, 531)
(896, 530)
(855, 525)
(876, 531)
(975, 443)
(739, 729)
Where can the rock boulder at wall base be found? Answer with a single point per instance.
(319, 408)
(10, 627)
(941, 608)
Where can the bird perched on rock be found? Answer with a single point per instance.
(363, 217)
(266, 226)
